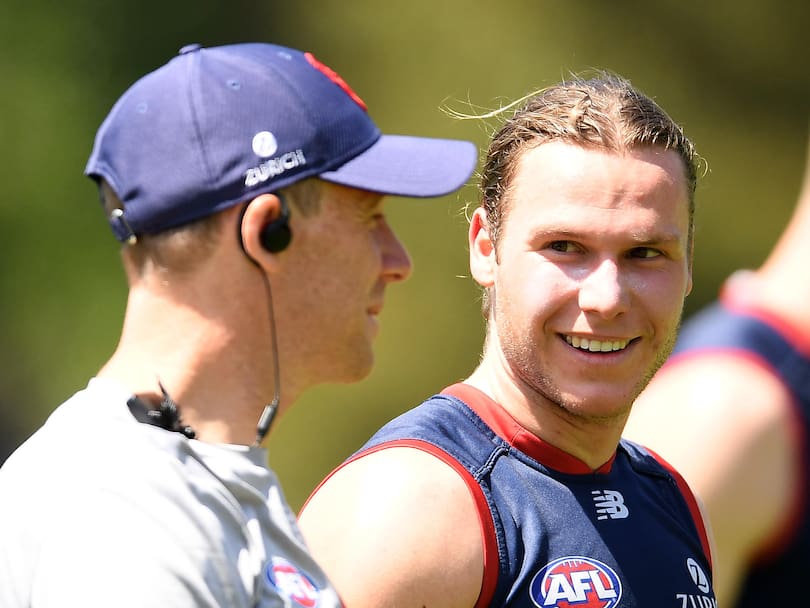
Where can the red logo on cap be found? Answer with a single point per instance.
(335, 77)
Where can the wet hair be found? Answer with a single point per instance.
(603, 111)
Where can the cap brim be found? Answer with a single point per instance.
(401, 165)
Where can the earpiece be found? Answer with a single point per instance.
(276, 235)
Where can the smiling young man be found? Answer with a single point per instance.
(514, 488)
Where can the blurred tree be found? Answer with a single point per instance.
(734, 74)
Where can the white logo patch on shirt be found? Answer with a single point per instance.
(610, 504)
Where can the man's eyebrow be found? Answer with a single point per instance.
(659, 238)
(641, 238)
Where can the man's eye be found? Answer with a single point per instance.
(562, 246)
(644, 252)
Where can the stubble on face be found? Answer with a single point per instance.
(538, 286)
(519, 354)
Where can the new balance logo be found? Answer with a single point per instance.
(609, 504)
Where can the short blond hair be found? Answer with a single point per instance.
(177, 250)
(184, 248)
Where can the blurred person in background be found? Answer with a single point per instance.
(223, 172)
(514, 487)
(731, 410)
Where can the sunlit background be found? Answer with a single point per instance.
(735, 74)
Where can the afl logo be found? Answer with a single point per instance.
(576, 581)
(291, 582)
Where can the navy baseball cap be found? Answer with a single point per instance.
(220, 125)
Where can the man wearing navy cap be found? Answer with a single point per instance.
(246, 185)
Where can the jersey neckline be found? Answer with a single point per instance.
(517, 436)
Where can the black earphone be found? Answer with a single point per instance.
(275, 236)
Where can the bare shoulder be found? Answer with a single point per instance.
(397, 527)
(728, 425)
(713, 403)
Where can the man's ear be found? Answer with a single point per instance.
(482, 249)
(691, 254)
(266, 210)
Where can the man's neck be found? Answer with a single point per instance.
(593, 442)
(199, 363)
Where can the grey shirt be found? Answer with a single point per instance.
(97, 509)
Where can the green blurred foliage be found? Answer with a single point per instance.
(735, 74)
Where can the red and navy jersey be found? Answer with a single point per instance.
(733, 329)
(557, 534)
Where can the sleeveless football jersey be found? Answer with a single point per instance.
(749, 334)
(557, 534)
